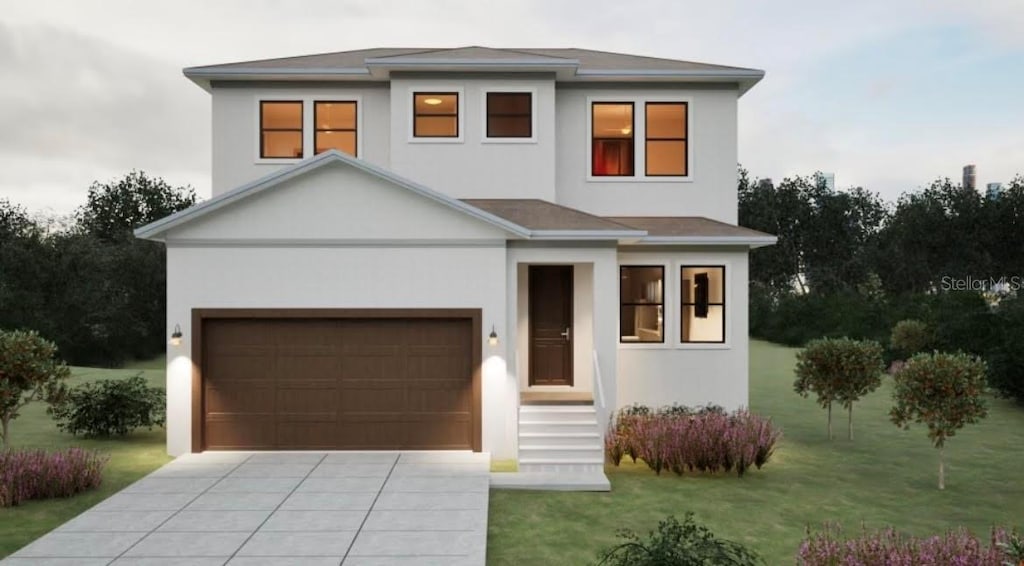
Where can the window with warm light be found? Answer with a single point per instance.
(665, 145)
(611, 139)
(703, 304)
(509, 115)
(281, 129)
(641, 303)
(435, 115)
(335, 126)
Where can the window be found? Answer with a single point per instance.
(509, 115)
(703, 303)
(435, 115)
(335, 126)
(665, 147)
(611, 139)
(281, 129)
(641, 303)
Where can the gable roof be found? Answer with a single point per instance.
(569, 64)
(547, 218)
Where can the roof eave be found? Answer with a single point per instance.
(746, 78)
(744, 241)
(587, 235)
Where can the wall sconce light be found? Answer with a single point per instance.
(493, 338)
(176, 336)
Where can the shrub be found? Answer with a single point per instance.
(38, 474)
(29, 371)
(943, 392)
(909, 337)
(839, 370)
(958, 546)
(110, 407)
(706, 440)
(1005, 356)
(678, 544)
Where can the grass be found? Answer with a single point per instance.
(886, 476)
(130, 459)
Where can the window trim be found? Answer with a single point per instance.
(662, 304)
(354, 130)
(591, 139)
(724, 342)
(685, 138)
(307, 97)
(460, 108)
(639, 132)
(484, 92)
(301, 129)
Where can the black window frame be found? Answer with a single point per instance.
(416, 115)
(685, 138)
(355, 123)
(622, 305)
(301, 130)
(632, 136)
(528, 115)
(683, 304)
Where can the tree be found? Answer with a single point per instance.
(943, 392)
(910, 337)
(839, 370)
(29, 371)
(116, 208)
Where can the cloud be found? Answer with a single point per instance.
(84, 108)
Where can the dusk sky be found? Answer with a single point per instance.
(888, 95)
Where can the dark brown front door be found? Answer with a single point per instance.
(550, 290)
(322, 383)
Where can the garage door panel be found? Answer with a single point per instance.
(338, 383)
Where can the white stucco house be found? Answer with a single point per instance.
(471, 248)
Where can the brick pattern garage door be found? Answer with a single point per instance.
(371, 384)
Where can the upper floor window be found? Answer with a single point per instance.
(612, 139)
(281, 129)
(435, 115)
(335, 126)
(509, 115)
(641, 303)
(703, 303)
(665, 147)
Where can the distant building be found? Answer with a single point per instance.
(970, 177)
(765, 183)
(828, 179)
(993, 191)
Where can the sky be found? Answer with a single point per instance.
(888, 95)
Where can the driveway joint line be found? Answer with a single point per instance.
(271, 514)
(370, 510)
(180, 509)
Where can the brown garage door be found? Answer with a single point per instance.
(325, 383)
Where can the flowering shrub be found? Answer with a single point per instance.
(888, 547)
(695, 440)
(39, 474)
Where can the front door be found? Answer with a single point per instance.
(550, 291)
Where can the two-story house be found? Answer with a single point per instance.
(471, 248)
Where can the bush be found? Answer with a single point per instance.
(688, 543)
(110, 407)
(958, 546)
(909, 337)
(707, 440)
(38, 474)
(1005, 355)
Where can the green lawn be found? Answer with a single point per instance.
(886, 476)
(130, 459)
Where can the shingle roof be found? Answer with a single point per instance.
(687, 227)
(588, 59)
(537, 214)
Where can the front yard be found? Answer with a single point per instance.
(130, 459)
(885, 477)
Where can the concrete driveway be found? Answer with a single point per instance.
(283, 508)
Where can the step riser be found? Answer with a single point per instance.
(562, 468)
(532, 441)
(557, 416)
(560, 454)
(559, 427)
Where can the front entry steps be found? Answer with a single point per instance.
(560, 448)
